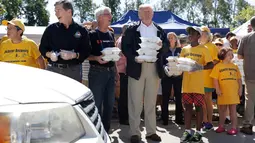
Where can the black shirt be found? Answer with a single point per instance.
(175, 52)
(99, 41)
(57, 36)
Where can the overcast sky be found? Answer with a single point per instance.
(50, 7)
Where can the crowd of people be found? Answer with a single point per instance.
(65, 45)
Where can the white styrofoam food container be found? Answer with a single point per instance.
(147, 52)
(150, 39)
(111, 57)
(144, 58)
(111, 51)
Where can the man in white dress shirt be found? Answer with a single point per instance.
(143, 77)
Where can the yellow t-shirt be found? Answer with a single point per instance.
(235, 51)
(228, 76)
(24, 53)
(194, 82)
(5, 37)
(213, 50)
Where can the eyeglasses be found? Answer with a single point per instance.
(219, 44)
(107, 14)
(13, 28)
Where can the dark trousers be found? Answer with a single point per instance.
(74, 72)
(167, 84)
(123, 98)
(102, 85)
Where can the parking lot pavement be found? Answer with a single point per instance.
(173, 132)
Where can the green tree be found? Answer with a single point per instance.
(13, 9)
(224, 13)
(206, 10)
(35, 12)
(246, 13)
(175, 6)
(138, 3)
(114, 5)
(129, 5)
(2, 11)
(241, 4)
(85, 9)
(240, 7)
(192, 8)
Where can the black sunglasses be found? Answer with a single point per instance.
(219, 44)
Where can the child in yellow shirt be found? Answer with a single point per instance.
(193, 84)
(228, 85)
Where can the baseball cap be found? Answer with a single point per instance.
(15, 22)
(205, 29)
(233, 38)
(218, 41)
(183, 36)
(194, 28)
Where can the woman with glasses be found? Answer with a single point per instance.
(219, 43)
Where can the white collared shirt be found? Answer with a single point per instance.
(147, 31)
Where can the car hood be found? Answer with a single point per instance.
(22, 84)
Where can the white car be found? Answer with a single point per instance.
(41, 106)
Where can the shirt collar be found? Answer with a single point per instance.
(172, 49)
(62, 25)
(143, 25)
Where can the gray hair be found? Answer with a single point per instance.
(142, 6)
(101, 10)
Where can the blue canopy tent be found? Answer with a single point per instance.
(166, 19)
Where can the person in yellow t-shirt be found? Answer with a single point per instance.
(228, 84)
(5, 37)
(193, 83)
(18, 50)
(208, 81)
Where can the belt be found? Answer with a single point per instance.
(61, 66)
(103, 68)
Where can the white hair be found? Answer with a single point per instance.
(145, 6)
(101, 10)
(142, 6)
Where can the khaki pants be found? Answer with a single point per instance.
(85, 82)
(249, 101)
(142, 91)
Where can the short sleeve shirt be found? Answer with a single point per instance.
(24, 53)
(194, 82)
